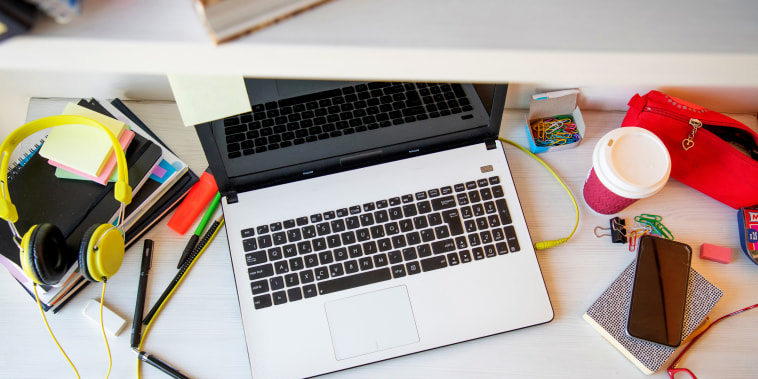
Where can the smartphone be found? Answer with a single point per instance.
(659, 290)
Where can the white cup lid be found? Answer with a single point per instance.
(632, 162)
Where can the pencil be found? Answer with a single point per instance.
(199, 249)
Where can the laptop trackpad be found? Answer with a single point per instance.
(371, 322)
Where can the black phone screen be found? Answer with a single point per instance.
(659, 292)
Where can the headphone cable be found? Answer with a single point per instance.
(42, 312)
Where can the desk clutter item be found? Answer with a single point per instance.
(621, 173)
(75, 205)
(709, 151)
(226, 20)
(747, 219)
(16, 17)
(76, 147)
(715, 253)
(554, 122)
(647, 224)
(609, 313)
(616, 230)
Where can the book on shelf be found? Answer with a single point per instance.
(32, 182)
(226, 20)
(609, 313)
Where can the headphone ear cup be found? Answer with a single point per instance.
(43, 254)
(101, 252)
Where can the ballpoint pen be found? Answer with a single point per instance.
(147, 257)
(199, 230)
(159, 364)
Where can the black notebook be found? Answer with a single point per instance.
(72, 205)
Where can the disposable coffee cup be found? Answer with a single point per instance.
(628, 164)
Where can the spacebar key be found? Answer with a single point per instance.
(352, 281)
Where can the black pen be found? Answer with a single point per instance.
(147, 259)
(160, 365)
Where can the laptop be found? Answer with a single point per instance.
(371, 220)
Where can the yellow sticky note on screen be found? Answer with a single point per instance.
(82, 147)
(205, 98)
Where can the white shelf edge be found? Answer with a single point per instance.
(380, 63)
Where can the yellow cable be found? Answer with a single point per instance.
(102, 328)
(157, 311)
(552, 243)
(42, 312)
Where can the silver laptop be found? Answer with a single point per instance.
(370, 220)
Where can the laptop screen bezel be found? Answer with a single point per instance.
(492, 96)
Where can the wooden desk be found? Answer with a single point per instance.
(200, 330)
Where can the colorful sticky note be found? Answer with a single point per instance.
(82, 147)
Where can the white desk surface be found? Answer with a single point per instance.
(200, 331)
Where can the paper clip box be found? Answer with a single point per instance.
(551, 104)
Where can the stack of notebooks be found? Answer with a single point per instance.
(609, 313)
(43, 193)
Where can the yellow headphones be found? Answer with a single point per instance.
(43, 248)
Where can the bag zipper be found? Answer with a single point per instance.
(717, 128)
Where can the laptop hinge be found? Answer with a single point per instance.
(490, 144)
(231, 197)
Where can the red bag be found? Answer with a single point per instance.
(703, 146)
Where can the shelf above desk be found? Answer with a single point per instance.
(586, 42)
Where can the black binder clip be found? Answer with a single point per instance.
(617, 230)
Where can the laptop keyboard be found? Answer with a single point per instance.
(337, 112)
(391, 238)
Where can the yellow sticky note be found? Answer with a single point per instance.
(82, 147)
(204, 98)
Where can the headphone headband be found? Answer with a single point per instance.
(122, 191)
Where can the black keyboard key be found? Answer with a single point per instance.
(307, 276)
(321, 273)
(291, 280)
(309, 291)
(502, 210)
(413, 268)
(249, 244)
(453, 259)
(490, 251)
(262, 301)
(444, 202)
(246, 233)
(510, 236)
(444, 246)
(289, 251)
(433, 263)
(502, 248)
(294, 235)
(478, 253)
(352, 281)
(255, 258)
(351, 267)
(294, 294)
(311, 260)
(453, 220)
(260, 272)
(280, 297)
(259, 286)
(465, 256)
(276, 283)
(265, 241)
(398, 271)
(281, 267)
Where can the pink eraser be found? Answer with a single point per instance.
(715, 253)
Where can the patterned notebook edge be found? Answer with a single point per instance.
(608, 315)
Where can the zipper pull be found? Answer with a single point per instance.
(689, 142)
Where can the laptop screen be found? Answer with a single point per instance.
(304, 128)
